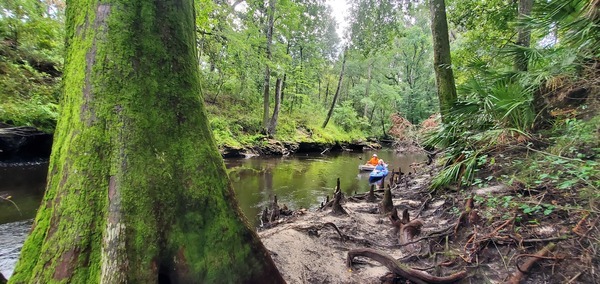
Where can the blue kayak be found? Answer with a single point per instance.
(377, 175)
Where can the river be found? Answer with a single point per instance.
(300, 181)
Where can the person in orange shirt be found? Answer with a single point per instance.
(373, 161)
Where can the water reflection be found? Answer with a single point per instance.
(298, 181)
(24, 184)
(303, 181)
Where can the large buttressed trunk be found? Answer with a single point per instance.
(137, 191)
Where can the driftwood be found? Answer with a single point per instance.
(524, 269)
(401, 269)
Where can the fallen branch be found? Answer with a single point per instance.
(401, 269)
(560, 238)
(521, 271)
(8, 199)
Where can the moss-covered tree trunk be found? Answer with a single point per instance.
(137, 191)
(444, 77)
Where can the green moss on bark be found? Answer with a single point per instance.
(136, 185)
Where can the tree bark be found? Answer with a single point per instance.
(326, 91)
(273, 123)
(442, 63)
(523, 35)
(368, 87)
(337, 91)
(267, 80)
(137, 191)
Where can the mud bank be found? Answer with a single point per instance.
(271, 147)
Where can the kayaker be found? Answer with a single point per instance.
(374, 161)
(381, 166)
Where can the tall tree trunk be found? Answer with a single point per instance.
(337, 90)
(269, 35)
(326, 91)
(444, 78)
(283, 84)
(383, 124)
(524, 35)
(368, 87)
(319, 89)
(137, 191)
(273, 123)
(287, 52)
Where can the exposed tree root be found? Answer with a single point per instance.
(401, 269)
(423, 206)
(371, 197)
(314, 230)
(342, 237)
(386, 205)
(336, 207)
(522, 270)
(274, 210)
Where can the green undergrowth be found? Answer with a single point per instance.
(28, 97)
(571, 162)
(545, 183)
(238, 124)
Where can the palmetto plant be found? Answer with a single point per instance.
(576, 23)
(496, 106)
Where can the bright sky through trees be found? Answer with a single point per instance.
(340, 12)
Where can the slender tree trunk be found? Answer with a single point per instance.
(319, 90)
(371, 116)
(326, 91)
(274, 118)
(337, 90)
(283, 84)
(137, 191)
(368, 87)
(524, 35)
(287, 51)
(442, 63)
(267, 81)
(383, 124)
